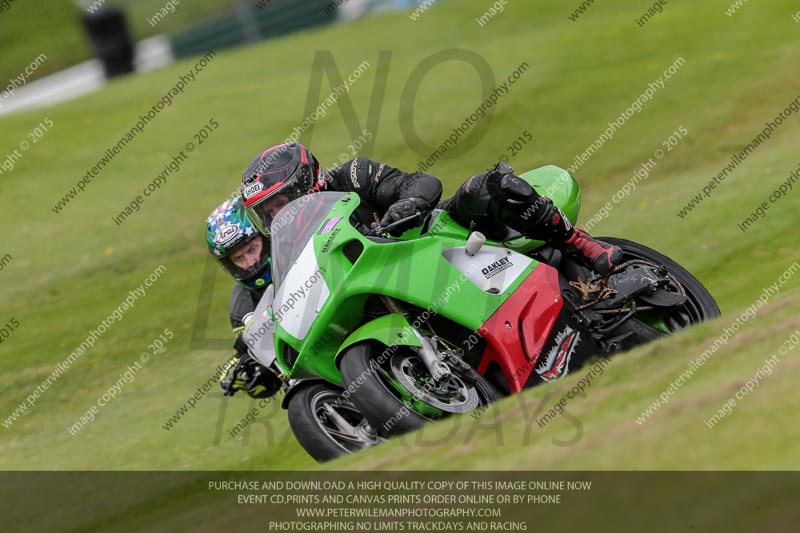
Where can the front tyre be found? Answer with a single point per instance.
(326, 424)
(397, 394)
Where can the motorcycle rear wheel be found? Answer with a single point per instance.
(700, 305)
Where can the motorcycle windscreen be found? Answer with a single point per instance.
(301, 290)
(259, 334)
(302, 294)
(294, 227)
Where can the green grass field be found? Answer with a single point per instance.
(69, 271)
(61, 20)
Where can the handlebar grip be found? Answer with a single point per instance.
(378, 230)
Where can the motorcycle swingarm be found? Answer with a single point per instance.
(644, 283)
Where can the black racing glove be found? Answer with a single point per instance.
(403, 209)
(505, 186)
(247, 375)
(513, 201)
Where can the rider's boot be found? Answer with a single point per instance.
(518, 205)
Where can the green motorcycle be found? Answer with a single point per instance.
(377, 336)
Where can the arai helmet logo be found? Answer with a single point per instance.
(227, 234)
(252, 190)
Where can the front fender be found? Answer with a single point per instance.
(390, 330)
(297, 384)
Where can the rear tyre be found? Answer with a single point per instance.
(700, 306)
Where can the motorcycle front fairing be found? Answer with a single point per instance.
(326, 270)
(258, 334)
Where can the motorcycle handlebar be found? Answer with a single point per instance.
(379, 230)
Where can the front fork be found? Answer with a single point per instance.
(428, 352)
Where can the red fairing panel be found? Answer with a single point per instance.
(518, 331)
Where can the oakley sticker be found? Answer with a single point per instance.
(497, 267)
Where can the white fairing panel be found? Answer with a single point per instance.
(259, 334)
(301, 295)
(492, 269)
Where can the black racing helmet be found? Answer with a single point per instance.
(275, 177)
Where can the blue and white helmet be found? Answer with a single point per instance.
(229, 230)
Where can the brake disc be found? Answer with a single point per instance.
(451, 395)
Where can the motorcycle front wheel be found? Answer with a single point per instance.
(396, 393)
(328, 425)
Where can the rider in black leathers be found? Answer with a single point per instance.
(490, 202)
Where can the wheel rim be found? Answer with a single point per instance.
(452, 395)
(342, 422)
(675, 319)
